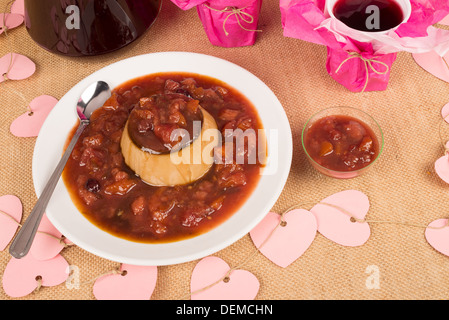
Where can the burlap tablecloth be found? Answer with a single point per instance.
(402, 186)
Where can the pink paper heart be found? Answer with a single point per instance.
(242, 284)
(29, 124)
(20, 275)
(288, 242)
(47, 243)
(11, 208)
(438, 238)
(10, 21)
(433, 63)
(445, 112)
(17, 68)
(18, 7)
(442, 168)
(336, 225)
(135, 283)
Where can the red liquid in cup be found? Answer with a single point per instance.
(104, 25)
(354, 14)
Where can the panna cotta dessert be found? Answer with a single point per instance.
(169, 139)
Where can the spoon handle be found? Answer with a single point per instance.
(24, 238)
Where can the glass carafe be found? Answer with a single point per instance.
(88, 27)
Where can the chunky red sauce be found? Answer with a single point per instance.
(152, 123)
(112, 197)
(341, 143)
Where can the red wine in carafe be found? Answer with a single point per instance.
(88, 27)
(369, 15)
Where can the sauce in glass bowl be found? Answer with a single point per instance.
(341, 144)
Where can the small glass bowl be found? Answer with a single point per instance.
(344, 111)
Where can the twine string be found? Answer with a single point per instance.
(28, 107)
(226, 276)
(282, 223)
(240, 15)
(7, 9)
(5, 30)
(445, 147)
(65, 245)
(39, 283)
(61, 240)
(355, 219)
(112, 272)
(445, 62)
(5, 75)
(368, 64)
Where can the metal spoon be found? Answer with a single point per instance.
(91, 99)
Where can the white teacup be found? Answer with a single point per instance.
(405, 6)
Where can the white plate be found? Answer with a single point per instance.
(72, 224)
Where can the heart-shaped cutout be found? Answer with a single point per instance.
(433, 63)
(10, 21)
(442, 167)
(29, 124)
(284, 242)
(20, 277)
(437, 235)
(334, 217)
(445, 112)
(48, 241)
(239, 285)
(134, 283)
(14, 66)
(10, 217)
(18, 7)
